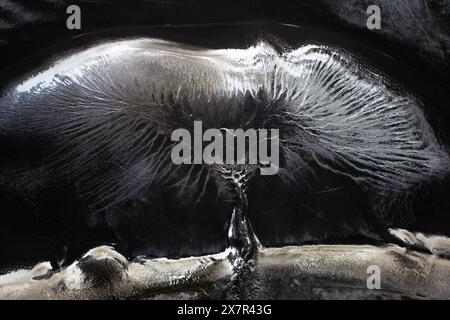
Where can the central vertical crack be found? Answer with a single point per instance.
(243, 244)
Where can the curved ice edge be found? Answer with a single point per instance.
(305, 272)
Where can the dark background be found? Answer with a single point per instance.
(418, 31)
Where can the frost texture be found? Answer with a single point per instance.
(110, 110)
(352, 123)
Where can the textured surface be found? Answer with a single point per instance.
(101, 121)
(328, 107)
(310, 272)
(346, 129)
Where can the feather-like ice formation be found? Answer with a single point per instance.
(351, 122)
(109, 110)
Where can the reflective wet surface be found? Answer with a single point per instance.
(86, 162)
(310, 272)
